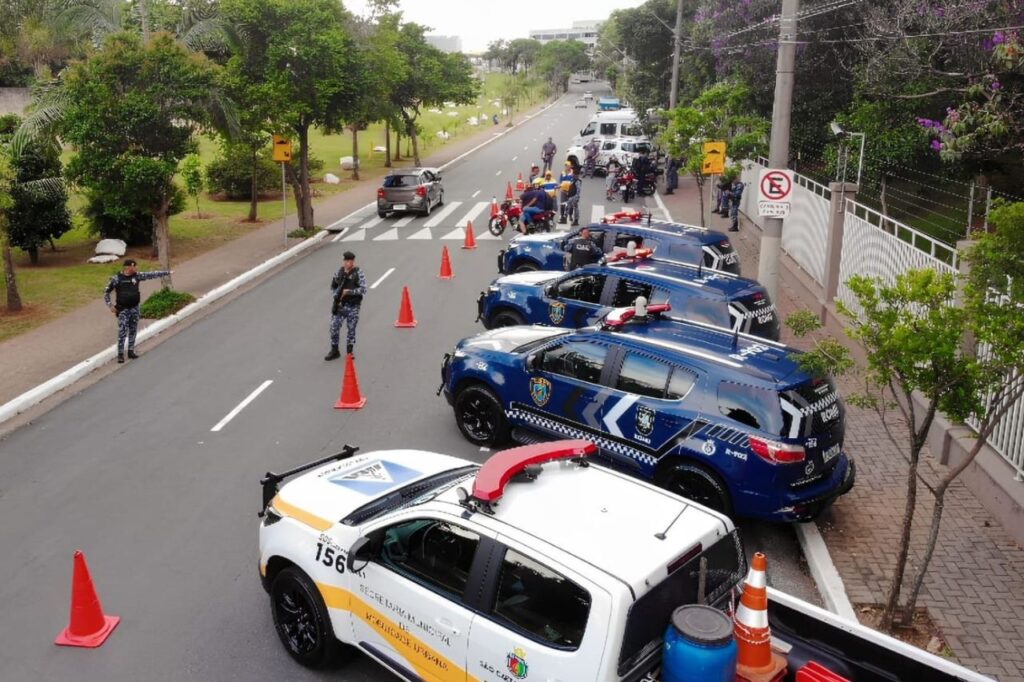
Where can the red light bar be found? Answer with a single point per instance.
(499, 469)
(621, 316)
(639, 254)
(622, 217)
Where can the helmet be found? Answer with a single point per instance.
(538, 182)
(547, 174)
(534, 167)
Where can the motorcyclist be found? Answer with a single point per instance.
(534, 174)
(613, 169)
(547, 153)
(534, 200)
(590, 157)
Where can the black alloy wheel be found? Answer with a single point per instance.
(506, 318)
(301, 619)
(480, 417)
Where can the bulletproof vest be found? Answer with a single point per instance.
(349, 280)
(127, 289)
(581, 252)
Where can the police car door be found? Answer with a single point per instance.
(648, 409)
(408, 608)
(574, 301)
(566, 391)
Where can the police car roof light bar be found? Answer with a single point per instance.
(499, 469)
(620, 316)
(639, 254)
(272, 480)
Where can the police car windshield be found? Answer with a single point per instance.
(412, 494)
(539, 338)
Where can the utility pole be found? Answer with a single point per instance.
(677, 36)
(778, 153)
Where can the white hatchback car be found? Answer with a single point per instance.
(536, 563)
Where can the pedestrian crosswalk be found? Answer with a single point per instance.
(442, 224)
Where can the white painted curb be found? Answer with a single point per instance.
(68, 377)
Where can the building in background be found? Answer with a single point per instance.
(583, 31)
(445, 43)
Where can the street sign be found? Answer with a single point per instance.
(714, 158)
(282, 149)
(773, 193)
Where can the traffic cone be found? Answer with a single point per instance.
(405, 315)
(350, 398)
(470, 242)
(509, 196)
(446, 265)
(88, 626)
(520, 183)
(494, 208)
(756, 661)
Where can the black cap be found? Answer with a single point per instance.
(348, 255)
(129, 261)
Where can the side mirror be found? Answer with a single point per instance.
(551, 290)
(361, 551)
(532, 360)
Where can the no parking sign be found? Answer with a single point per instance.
(773, 193)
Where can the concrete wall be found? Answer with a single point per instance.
(14, 100)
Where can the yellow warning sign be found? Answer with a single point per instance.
(282, 148)
(714, 158)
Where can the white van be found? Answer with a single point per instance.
(622, 123)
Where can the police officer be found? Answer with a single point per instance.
(125, 286)
(348, 286)
(547, 153)
(583, 251)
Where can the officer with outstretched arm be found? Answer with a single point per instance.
(125, 287)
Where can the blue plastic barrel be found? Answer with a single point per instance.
(699, 646)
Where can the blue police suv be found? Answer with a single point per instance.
(584, 296)
(675, 241)
(723, 418)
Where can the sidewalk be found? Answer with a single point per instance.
(974, 590)
(30, 359)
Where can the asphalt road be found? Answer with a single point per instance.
(130, 472)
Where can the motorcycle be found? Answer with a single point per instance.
(509, 213)
(647, 186)
(625, 184)
(542, 222)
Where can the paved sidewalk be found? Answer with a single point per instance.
(975, 586)
(30, 359)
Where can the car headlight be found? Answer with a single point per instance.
(493, 289)
(459, 353)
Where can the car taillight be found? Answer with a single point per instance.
(380, 192)
(757, 296)
(421, 191)
(777, 453)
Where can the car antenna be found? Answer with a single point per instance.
(664, 534)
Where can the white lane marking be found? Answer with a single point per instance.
(422, 234)
(515, 158)
(339, 237)
(241, 406)
(389, 236)
(442, 214)
(596, 213)
(405, 221)
(474, 194)
(458, 233)
(357, 236)
(382, 278)
(473, 213)
(663, 207)
(484, 234)
(372, 222)
(527, 147)
(498, 173)
(484, 448)
(611, 420)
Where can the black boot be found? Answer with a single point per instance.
(120, 359)
(333, 355)
(132, 355)
(350, 348)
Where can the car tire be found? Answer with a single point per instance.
(505, 318)
(694, 482)
(382, 214)
(426, 209)
(480, 416)
(526, 267)
(440, 198)
(301, 619)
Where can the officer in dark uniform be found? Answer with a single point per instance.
(583, 251)
(125, 286)
(348, 286)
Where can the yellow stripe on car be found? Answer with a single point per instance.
(301, 515)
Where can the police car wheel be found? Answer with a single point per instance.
(506, 318)
(700, 485)
(525, 267)
(301, 619)
(480, 417)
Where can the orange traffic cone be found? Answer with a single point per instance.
(494, 207)
(756, 661)
(520, 183)
(405, 315)
(446, 265)
(88, 626)
(350, 398)
(470, 242)
(508, 192)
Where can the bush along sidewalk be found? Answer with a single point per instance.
(164, 303)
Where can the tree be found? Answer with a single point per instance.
(559, 59)
(133, 111)
(192, 175)
(6, 202)
(297, 57)
(430, 78)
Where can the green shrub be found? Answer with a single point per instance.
(165, 302)
(303, 234)
(120, 222)
(231, 172)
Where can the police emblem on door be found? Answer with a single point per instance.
(556, 312)
(644, 420)
(540, 391)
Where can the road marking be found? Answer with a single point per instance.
(473, 213)
(527, 147)
(457, 233)
(422, 234)
(515, 158)
(498, 173)
(474, 194)
(357, 236)
(338, 237)
(442, 214)
(484, 448)
(596, 213)
(390, 235)
(663, 207)
(241, 406)
(405, 221)
(382, 278)
(372, 222)
(485, 234)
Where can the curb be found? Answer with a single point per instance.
(819, 560)
(68, 377)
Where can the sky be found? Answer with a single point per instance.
(479, 22)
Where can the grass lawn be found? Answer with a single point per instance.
(63, 280)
